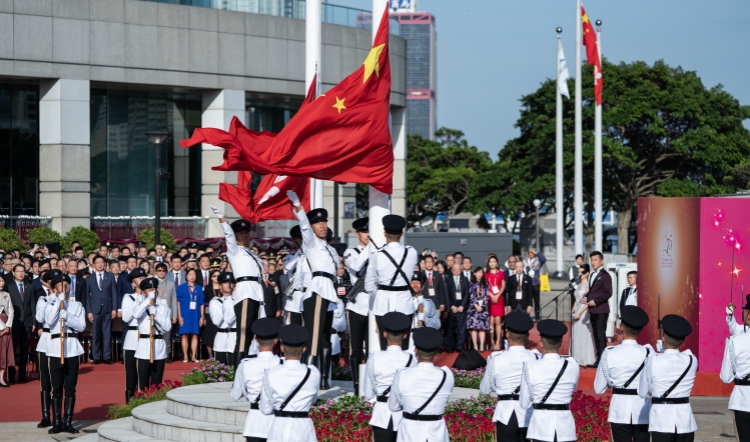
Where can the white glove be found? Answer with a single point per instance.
(64, 314)
(420, 316)
(151, 309)
(152, 295)
(61, 297)
(293, 198)
(659, 346)
(729, 312)
(217, 212)
(506, 345)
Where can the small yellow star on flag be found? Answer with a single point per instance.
(339, 104)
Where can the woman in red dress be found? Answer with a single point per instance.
(496, 280)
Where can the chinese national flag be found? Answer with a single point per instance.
(343, 135)
(592, 54)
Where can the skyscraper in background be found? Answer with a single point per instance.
(418, 28)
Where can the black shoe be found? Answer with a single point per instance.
(354, 366)
(70, 403)
(594, 365)
(97, 362)
(57, 424)
(325, 368)
(23, 380)
(128, 395)
(45, 410)
(109, 362)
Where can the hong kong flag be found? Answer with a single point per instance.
(343, 135)
(592, 54)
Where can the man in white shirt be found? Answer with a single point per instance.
(736, 368)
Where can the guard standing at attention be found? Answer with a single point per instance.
(248, 272)
(503, 378)
(389, 275)
(358, 304)
(248, 382)
(290, 389)
(381, 369)
(151, 373)
(221, 310)
(622, 367)
(736, 368)
(41, 347)
(548, 385)
(669, 379)
(130, 302)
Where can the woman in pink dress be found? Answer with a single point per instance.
(496, 280)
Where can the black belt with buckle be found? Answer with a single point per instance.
(393, 288)
(742, 382)
(382, 398)
(670, 400)
(254, 406)
(247, 278)
(625, 391)
(45, 330)
(325, 275)
(295, 414)
(551, 406)
(508, 397)
(155, 336)
(133, 328)
(69, 335)
(422, 417)
(227, 330)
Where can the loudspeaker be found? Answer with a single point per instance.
(469, 360)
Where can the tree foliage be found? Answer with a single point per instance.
(88, 238)
(166, 238)
(43, 234)
(10, 239)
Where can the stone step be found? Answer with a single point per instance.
(154, 421)
(91, 437)
(120, 430)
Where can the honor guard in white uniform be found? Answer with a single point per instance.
(319, 300)
(621, 368)
(389, 274)
(248, 273)
(290, 389)
(130, 303)
(736, 368)
(548, 385)
(735, 327)
(381, 369)
(221, 310)
(152, 321)
(425, 311)
(293, 302)
(502, 377)
(42, 345)
(422, 392)
(358, 300)
(248, 383)
(669, 379)
(66, 319)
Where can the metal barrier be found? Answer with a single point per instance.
(121, 227)
(22, 224)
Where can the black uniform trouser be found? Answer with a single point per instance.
(457, 327)
(149, 373)
(21, 336)
(246, 312)
(630, 432)
(384, 341)
(672, 437)
(316, 317)
(294, 318)
(225, 357)
(384, 434)
(131, 370)
(535, 289)
(255, 439)
(44, 378)
(357, 334)
(510, 432)
(64, 377)
(742, 425)
(599, 326)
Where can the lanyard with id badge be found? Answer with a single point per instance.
(519, 290)
(458, 290)
(193, 299)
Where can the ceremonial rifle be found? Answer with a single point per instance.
(151, 329)
(63, 333)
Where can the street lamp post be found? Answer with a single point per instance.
(157, 138)
(537, 203)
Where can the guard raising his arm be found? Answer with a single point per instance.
(736, 368)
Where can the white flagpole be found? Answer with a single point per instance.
(598, 233)
(312, 65)
(559, 167)
(578, 196)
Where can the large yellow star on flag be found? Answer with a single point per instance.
(339, 104)
(585, 18)
(372, 62)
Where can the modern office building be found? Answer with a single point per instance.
(418, 29)
(81, 81)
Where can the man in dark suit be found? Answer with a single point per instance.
(518, 294)
(101, 309)
(203, 278)
(600, 290)
(434, 288)
(176, 275)
(630, 295)
(122, 285)
(24, 308)
(458, 304)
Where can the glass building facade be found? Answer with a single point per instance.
(123, 160)
(19, 144)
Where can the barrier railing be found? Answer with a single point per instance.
(22, 224)
(121, 227)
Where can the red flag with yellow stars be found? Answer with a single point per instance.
(344, 135)
(592, 54)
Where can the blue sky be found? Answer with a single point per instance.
(491, 52)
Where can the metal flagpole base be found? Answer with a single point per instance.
(559, 275)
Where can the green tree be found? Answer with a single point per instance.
(43, 234)
(88, 238)
(166, 238)
(440, 173)
(10, 239)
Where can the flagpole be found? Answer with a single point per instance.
(312, 66)
(598, 209)
(559, 166)
(578, 195)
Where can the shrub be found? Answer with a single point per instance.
(166, 238)
(43, 234)
(10, 239)
(88, 238)
(341, 372)
(152, 394)
(208, 371)
(468, 378)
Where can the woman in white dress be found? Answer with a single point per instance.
(582, 347)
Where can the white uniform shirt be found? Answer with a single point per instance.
(293, 304)
(503, 376)
(662, 370)
(537, 378)
(632, 297)
(381, 271)
(736, 328)
(278, 385)
(736, 364)
(379, 373)
(41, 303)
(412, 387)
(248, 384)
(355, 259)
(222, 314)
(129, 304)
(244, 263)
(75, 323)
(617, 366)
(320, 258)
(162, 321)
(338, 324)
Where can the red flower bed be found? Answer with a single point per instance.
(590, 415)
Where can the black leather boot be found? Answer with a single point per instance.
(45, 410)
(70, 403)
(57, 425)
(325, 368)
(354, 367)
(128, 395)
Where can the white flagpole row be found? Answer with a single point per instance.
(559, 209)
(578, 195)
(598, 209)
(313, 51)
